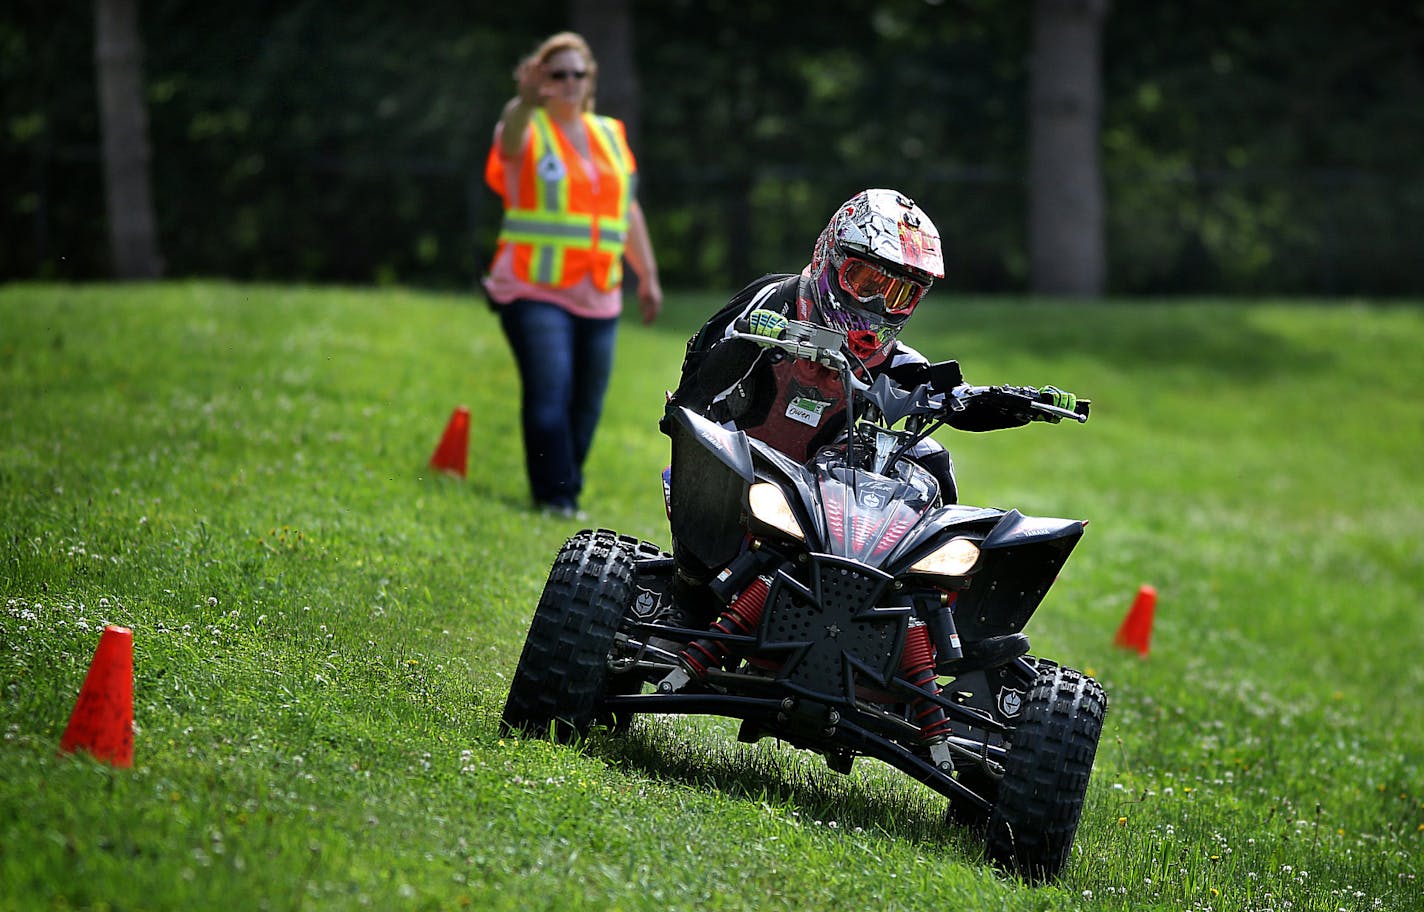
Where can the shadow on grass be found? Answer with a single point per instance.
(481, 487)
(1223, 340)
(784, 778)
(1219, 337)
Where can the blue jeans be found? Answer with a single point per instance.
(564, 365)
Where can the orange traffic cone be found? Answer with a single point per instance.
(102, 721)
(1136, 629)
(454, 448)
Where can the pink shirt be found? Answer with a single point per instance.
(582, 299)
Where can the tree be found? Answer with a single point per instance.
(607, 25)
(1067, 254)
(118, 57)
(1244, 148)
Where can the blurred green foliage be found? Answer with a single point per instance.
(1247, 148)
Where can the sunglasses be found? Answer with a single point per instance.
(561, 75)
(867, 281)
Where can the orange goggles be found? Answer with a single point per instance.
(867, 281)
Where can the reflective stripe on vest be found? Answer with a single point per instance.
(563, 245)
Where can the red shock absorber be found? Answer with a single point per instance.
(741, 618)
(917, 665)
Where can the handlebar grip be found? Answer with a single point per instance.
(767, 323)
(1044, 408)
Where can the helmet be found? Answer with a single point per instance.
(871, 266)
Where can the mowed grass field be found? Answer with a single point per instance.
(324, 630)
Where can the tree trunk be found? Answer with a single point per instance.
(118, 55)
(1067, 254)
(607, 25)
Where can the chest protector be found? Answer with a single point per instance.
(809, 405)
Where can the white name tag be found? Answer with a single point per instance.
(806, 411)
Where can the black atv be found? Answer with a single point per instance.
(853, 615)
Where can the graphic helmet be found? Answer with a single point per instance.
(872, 264)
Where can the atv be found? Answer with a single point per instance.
(854, 614)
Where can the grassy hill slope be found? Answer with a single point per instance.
(323, 629)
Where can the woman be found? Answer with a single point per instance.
(568, 181)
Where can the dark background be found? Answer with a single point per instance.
(1248, 147)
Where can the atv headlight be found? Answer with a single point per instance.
(768, 506)
(954, 558)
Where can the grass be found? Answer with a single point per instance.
(323, 630)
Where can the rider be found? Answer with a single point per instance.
(870, 268)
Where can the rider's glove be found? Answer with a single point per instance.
(767, 323)
(1057, 398)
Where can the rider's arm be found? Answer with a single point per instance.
(991, 411)
(727, 382)
(720, 375)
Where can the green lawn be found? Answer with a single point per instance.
(323, 630)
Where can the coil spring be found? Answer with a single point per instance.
(917, 663)
(741, 618)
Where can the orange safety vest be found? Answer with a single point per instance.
(561, 225)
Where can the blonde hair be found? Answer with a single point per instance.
(569, 41)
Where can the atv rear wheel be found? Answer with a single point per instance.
(563, 669)
(1046, 774)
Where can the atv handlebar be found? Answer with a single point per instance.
(806, 341)
(825, 346)
(1029, 397)
(1080, 414)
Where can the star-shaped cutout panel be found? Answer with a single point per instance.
(833, 633)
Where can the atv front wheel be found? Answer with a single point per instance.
(1046, 773)
(564, 666)
(629, 682)
(966, 814)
